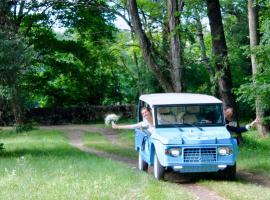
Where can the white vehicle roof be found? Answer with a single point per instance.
(177, 98)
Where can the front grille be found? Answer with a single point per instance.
(200, 155)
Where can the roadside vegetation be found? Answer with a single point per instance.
(254, 154)
(40, 164)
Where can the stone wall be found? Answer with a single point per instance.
(51, 116)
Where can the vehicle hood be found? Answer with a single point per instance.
(209, 135)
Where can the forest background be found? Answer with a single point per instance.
(213, 47)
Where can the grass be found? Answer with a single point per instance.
(100, 142)
(237, 190)
(125, 146)
(40, 164)
(253, 156)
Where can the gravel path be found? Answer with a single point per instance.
(76, 132)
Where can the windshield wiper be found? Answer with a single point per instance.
(201, 129)
(174, 125)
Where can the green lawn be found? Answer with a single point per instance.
(254, 154)
(100, 142)
(41, 164)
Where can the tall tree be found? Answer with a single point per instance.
(220, 53)
(253, 20)
(175, 47)
(13, 62)
(156, 62)
(146, 46)
(204, 57)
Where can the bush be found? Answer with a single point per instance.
(1, 147)
(24, 127)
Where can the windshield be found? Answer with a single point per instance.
(186, 115)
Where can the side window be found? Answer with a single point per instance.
(139, 116)
(141, 104)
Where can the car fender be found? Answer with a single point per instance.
(235, 148)
(157, 148)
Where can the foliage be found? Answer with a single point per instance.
(259, 84)
(1, 147)
(14, 61)
(80, 57)
(26, 127)
(72, 69)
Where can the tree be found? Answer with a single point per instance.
(14, 58)
(70, 69)
(175, 46)
(156, 62)
(254, 42)
(146, 46)
(220, 53)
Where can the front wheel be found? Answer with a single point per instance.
(229, 173)
(159, 170)
(142, 165)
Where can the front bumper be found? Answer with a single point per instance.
(200, 168)
(199, 159)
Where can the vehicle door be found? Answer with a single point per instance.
(142, 136)
(142, 143)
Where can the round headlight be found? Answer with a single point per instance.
(223, 151)
(175, 152)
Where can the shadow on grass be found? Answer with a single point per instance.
(187, 178)
(61, 152)
(246, 177)
(241, 177)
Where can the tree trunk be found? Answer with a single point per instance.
(175, 49)
(254, 41)
(219, 48)
(146, 46)
(17, 107)
(205, 59)
(4, 21)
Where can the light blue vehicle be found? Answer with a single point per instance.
(189, 136)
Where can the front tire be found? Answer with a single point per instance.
(229, 173)
(159, 170)
(142, 165)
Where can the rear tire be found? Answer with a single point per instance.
(159, 170)
(142, 165)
